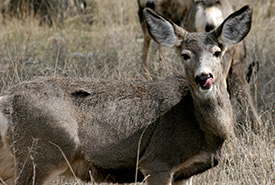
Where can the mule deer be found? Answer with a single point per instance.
(173, 128)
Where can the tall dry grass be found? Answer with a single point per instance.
(111, 48)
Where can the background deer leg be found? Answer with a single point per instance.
(145, 50)
(154, 49)
(146, 44)
(161, 59)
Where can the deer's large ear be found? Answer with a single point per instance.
(235, 27)
(162, 30)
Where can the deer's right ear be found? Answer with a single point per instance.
(161, 29)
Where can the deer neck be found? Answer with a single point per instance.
(214, 116)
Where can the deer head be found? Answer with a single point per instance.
(201, 53)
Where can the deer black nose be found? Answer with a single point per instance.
(209, 27)
(204, 80)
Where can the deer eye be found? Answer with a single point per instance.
(186, 54)
(217, 52)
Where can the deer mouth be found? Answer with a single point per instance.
(205, 81)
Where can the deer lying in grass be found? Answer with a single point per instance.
(173, 128)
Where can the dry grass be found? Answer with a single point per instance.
(111, 48)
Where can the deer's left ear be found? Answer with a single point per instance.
(162, 30)
(235, 27)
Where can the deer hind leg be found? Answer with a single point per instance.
(39, 167)
(6, 158)
(6, 165)
(39, 161)
(38, 174)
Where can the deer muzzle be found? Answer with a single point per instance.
(205, 81)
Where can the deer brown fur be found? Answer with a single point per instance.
(97, 127)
